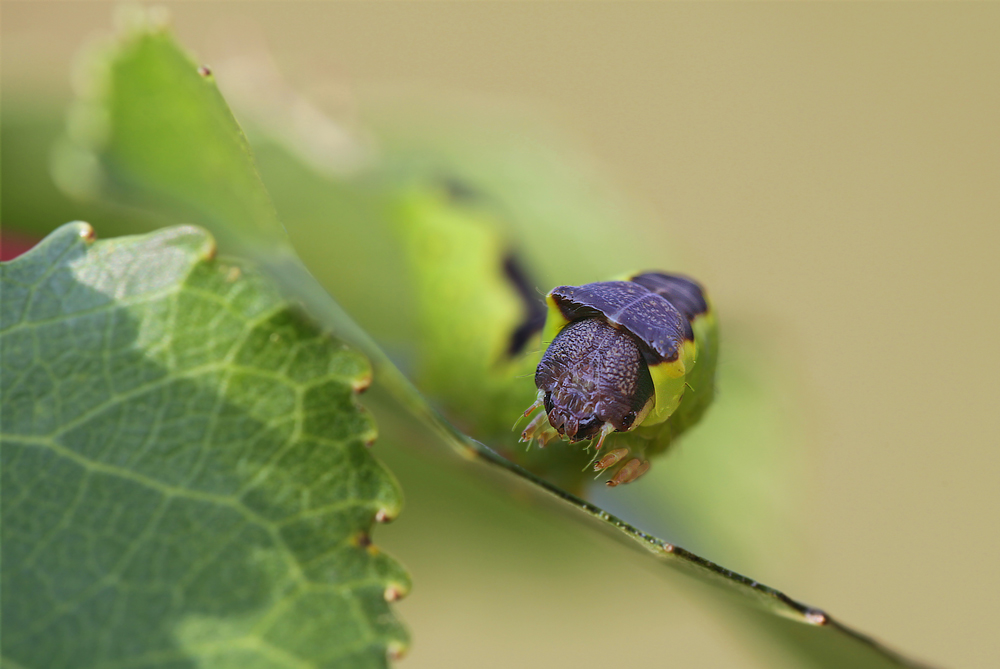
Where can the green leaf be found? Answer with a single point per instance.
(151, 95)
(145, 82)
(151, 130)
(186, 474)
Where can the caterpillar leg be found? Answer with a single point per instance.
(540, 429)
(611, 459)
(539, 401)
(632, 470)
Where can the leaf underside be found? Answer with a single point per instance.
(186, 475)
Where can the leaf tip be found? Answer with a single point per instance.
(815, 617)
(395, 651)
(84, 231)
(395, 592)
(361, 383)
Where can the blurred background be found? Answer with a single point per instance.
(830, 172)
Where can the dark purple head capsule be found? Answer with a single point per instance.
(593, 374)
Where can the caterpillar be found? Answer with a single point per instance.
(624, 365)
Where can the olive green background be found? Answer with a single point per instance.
(831, 172)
